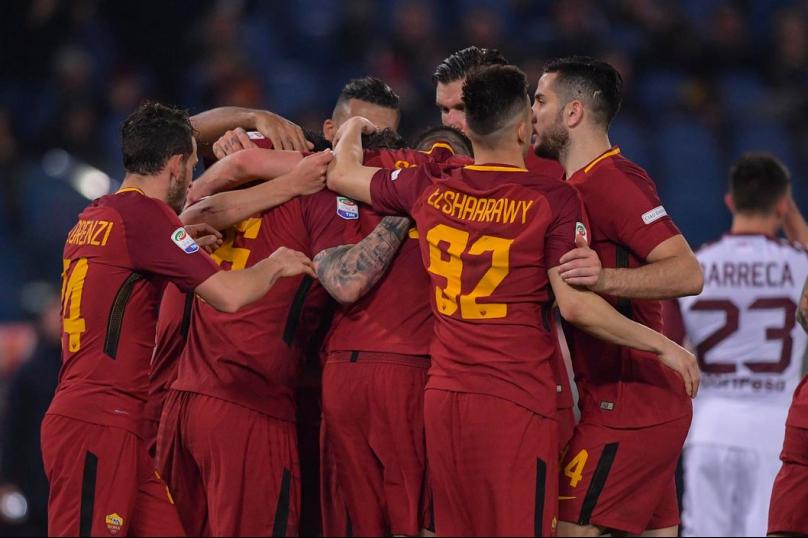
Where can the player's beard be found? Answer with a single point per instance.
(177, 191)
(552, 141)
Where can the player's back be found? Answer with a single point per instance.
(115, 267)
(743, 327)
(488, 235)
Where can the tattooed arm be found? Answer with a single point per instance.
(348, 272)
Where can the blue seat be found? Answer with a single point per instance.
(741, 93)
(631, 136)
(659, 90)
(691, 177)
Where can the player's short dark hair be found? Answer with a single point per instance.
(444, 133)
(320, 142)
(493, 96)
(590, 80)
(152, 134)
(464, 62)
(370, 90)
(757, 181)
(384, 139)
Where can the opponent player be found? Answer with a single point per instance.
(787, 515)
(118, 257)
(491, 235)
(750, 350)
(626, 400)
(449, 77)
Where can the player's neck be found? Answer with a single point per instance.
(151, 186)
(755, 224)
(583, 150)
(509, 156)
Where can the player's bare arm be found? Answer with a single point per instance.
(226, 209)
(348, 272)
(347, 175)
(794, 225)
(672, 271)
(240, 168)
(229, 291)
(591, 313)
(212, 124)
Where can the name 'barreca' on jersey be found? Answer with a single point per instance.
(743, 325)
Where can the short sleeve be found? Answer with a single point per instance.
(159, 245)
(569, 219)
(394, 192)
(630, 213)
(331, 220)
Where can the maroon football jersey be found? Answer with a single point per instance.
(252, 358)
(371, 324)
(547, 168)
(172, 331)
(488, 234)
(117, 261)
(622, 387)
(798, 413)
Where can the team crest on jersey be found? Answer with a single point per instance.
(347, 208)
(184, 241)
(580, 229)
(114, 523)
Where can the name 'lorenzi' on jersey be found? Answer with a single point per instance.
(772, 274)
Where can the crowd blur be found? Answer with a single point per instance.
(705, 80)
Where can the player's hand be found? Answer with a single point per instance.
(581, 266)
(281, 132)
(292, 263)
(684, 363)
(231, 142)
(205, 235)
(366, 125)
(309, 174)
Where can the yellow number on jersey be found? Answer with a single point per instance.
(575, 470)
(72, 287)
(237, 256)
(452, 270)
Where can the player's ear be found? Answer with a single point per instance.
(573, 113)
(329, 129)
(730, 203)
(524, 132)
(174, 166)
(782, 207)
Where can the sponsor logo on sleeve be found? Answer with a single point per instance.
(347, 208)
(114, 523)
(654, 215)
(580, 229)
(184, 241)
(395, 174)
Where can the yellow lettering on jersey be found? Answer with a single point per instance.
(89, 232)
(470, 208)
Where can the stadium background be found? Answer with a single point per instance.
(705, 80)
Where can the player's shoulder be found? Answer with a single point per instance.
(134, 206)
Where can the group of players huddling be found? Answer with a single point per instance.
(427, 277)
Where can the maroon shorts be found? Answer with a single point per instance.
(493, 466)
(103, 482)
(788, 513)
(373, 416)
(622, 479)
(235, 470)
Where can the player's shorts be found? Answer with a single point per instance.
(236, 471)
(728, 490)
(493, 466)
(622, 479)
(373, 409)
(103, 482)
(789, 505)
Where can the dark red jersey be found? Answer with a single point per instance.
(172, 331)
(117, 261)
(252, 358)
(622, 387)
(798, 413)
(547, 168)
(488, 235)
